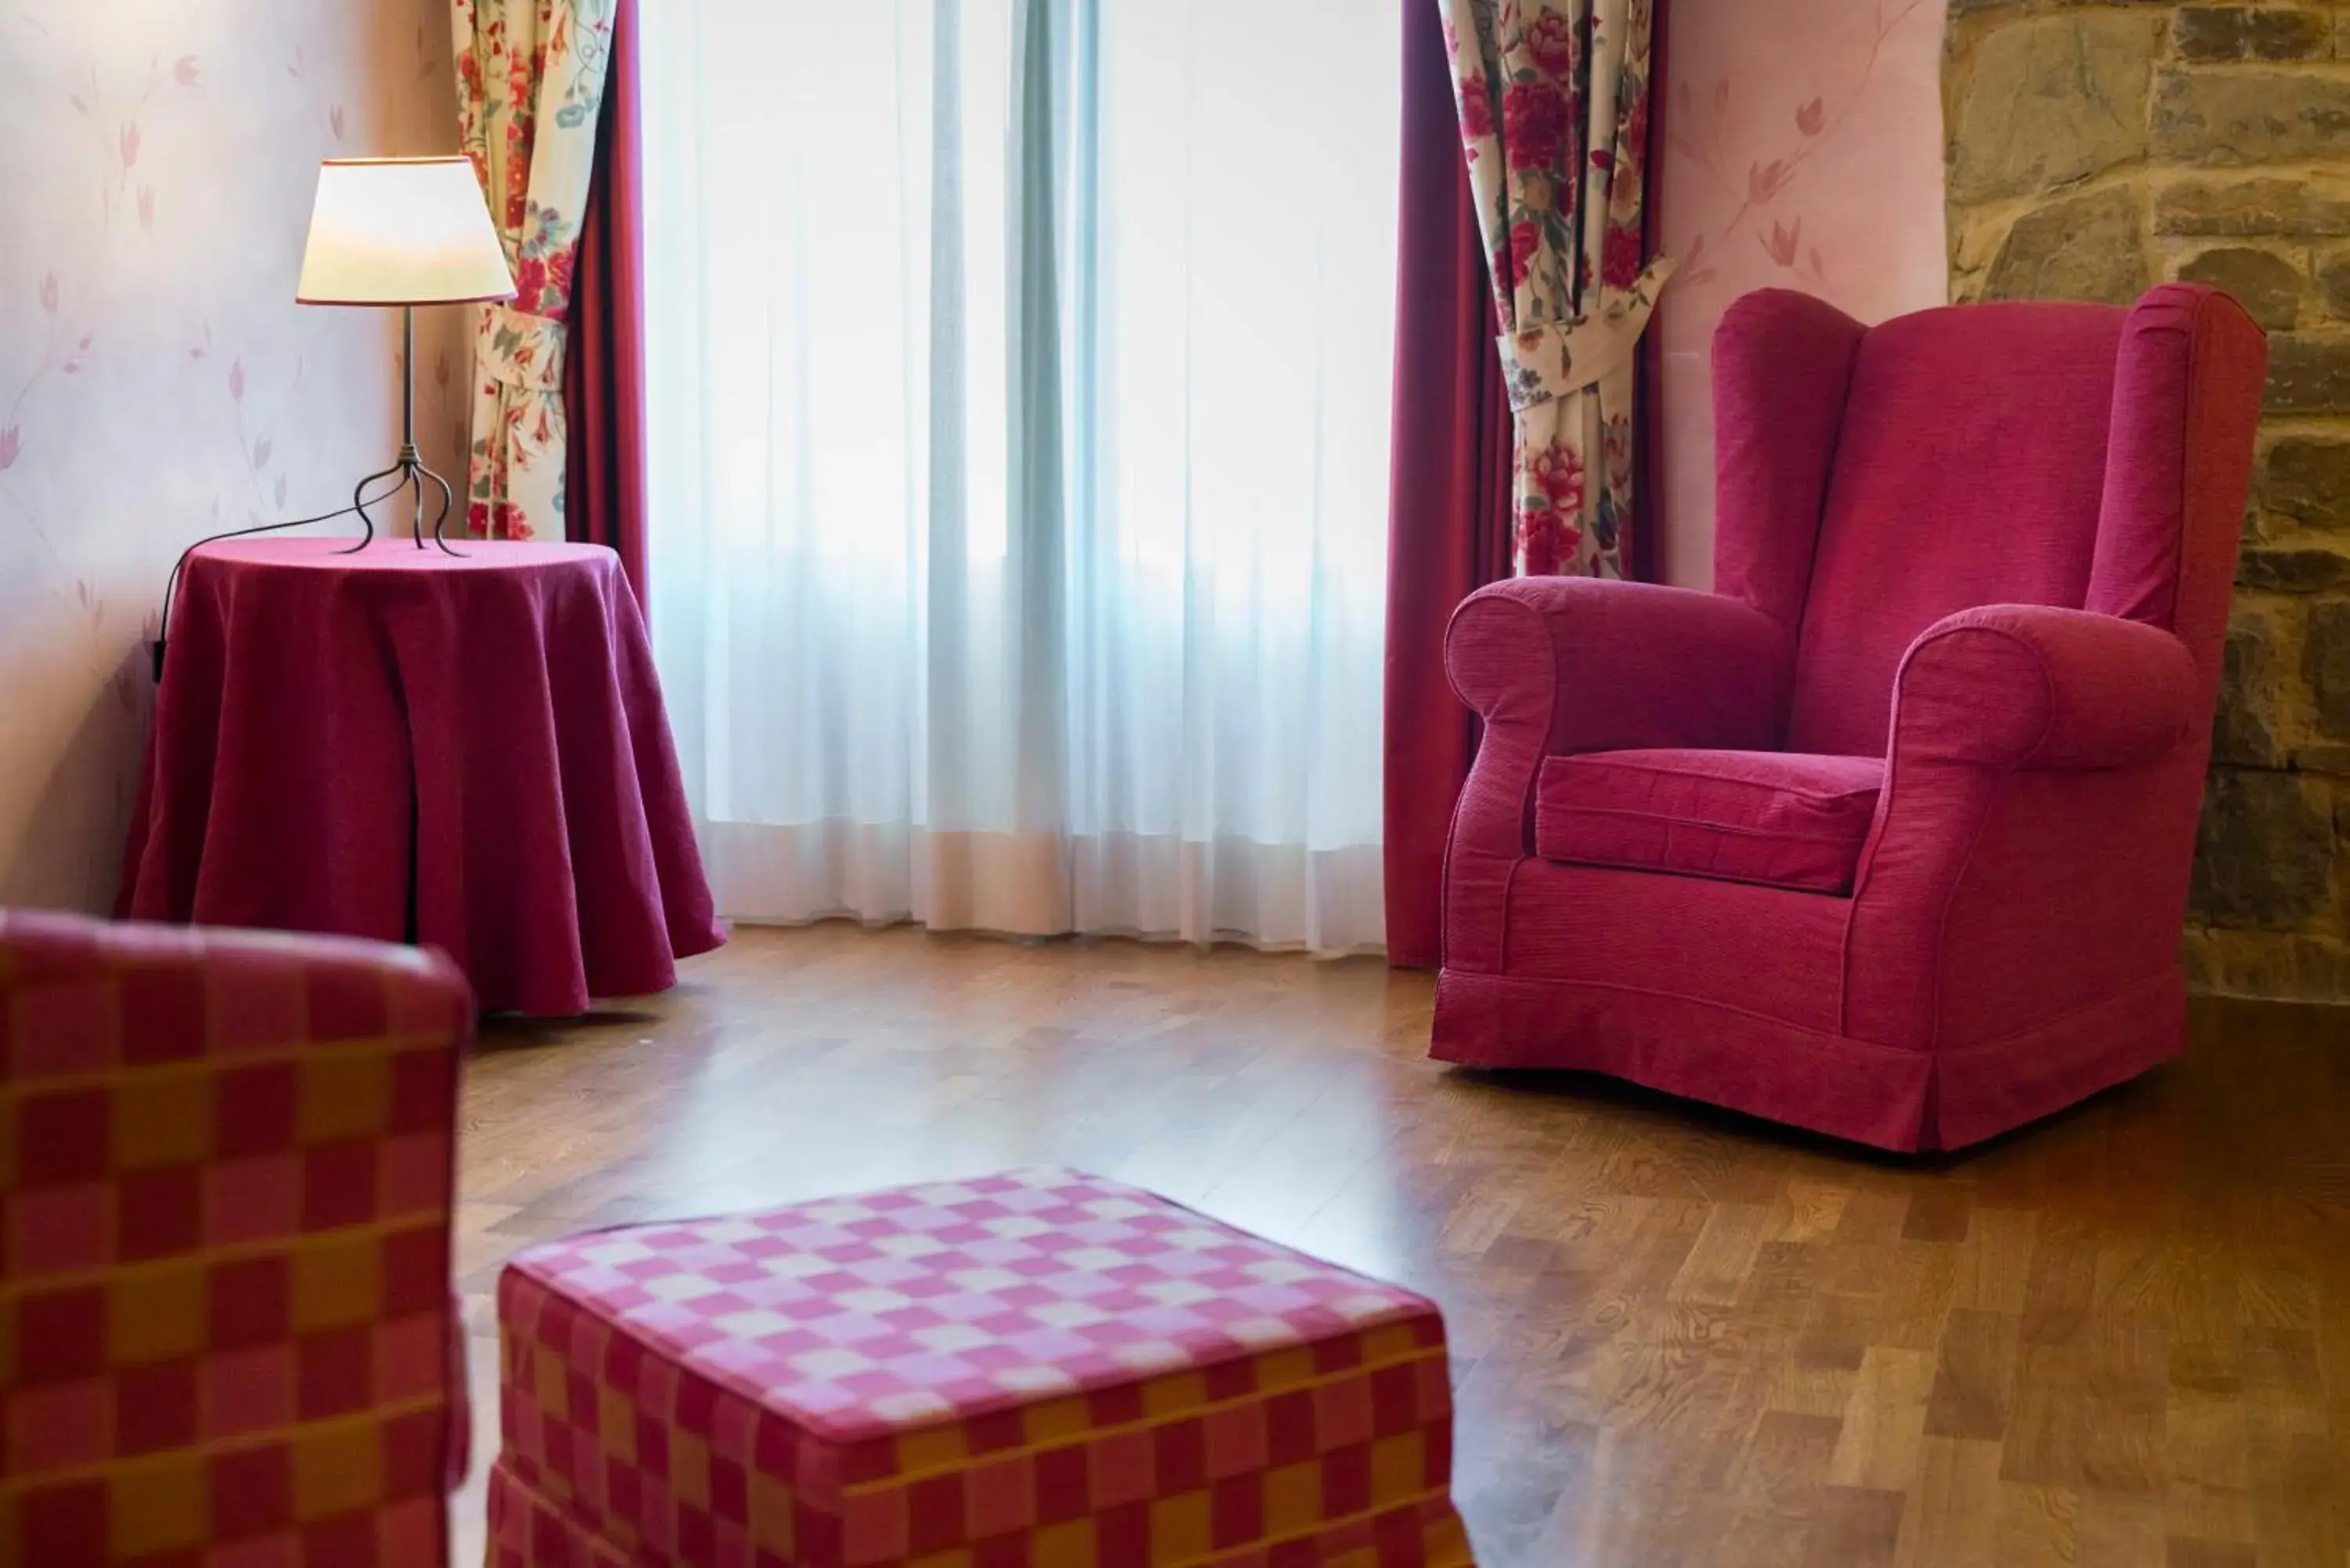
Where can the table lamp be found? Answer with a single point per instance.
(405, 232)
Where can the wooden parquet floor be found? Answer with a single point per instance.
(2121, 1337)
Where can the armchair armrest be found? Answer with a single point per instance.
(2041, 775)
(1608, 666)
(1574, 664)
(214, 1002)
(253, 1139)
(2036, 687)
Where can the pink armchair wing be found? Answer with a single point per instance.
(1888, 835)
(226, 1330)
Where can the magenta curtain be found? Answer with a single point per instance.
(604, 379)
(1449, 529)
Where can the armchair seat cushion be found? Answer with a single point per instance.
(1782, 819)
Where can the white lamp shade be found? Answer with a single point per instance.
(402, 231)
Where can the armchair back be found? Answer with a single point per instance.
(1875, 480)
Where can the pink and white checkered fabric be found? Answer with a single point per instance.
(1027, 1369)
(866, 1315)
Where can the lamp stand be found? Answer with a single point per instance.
(408, 470)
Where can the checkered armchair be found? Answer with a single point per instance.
(227, 1338)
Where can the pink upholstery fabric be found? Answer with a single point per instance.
(227, 1337)
(1688, 670)
(1789, 819)
(1782, 370)
(1967, 472)
(1036, 1367)
(2028, 686)
(1989, 549)
(470, 752)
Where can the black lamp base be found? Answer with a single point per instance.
(409, 475)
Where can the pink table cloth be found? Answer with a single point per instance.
(469, 753)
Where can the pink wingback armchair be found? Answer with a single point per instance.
(1888, 835)
(227, 1336)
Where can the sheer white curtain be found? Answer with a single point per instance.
(1019, 444)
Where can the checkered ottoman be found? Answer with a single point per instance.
(1034, 1370)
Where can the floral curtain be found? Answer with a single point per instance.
(1554, 100)
(530, 82)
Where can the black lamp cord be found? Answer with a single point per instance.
(172, 585)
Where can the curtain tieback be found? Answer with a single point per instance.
(521, 350)
(1551, 359)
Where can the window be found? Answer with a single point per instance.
(1020, 408)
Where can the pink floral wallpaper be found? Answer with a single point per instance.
(157, 381)
(1805, 152)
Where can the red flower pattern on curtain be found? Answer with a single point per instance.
(1554, 100)
(530, 86)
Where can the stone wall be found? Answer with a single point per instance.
(2093, 151)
